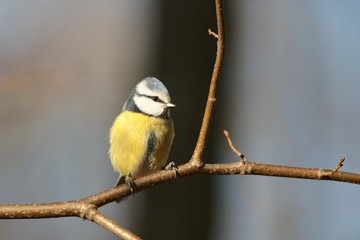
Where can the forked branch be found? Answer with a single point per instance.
(87, 208)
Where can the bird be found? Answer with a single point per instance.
(142, 134)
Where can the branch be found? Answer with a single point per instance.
(81, 208)
(293, 172)
(220, 36)
(111, 225)
(87, 208)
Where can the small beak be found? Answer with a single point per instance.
(170, 105)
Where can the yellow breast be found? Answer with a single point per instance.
(129, 137)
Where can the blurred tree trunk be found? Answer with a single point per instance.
(184, 62)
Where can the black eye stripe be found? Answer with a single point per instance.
(154, 98)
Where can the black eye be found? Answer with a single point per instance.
(155, 98)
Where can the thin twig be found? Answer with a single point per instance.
(231, 145)
(338, 166)
(199, 148)
(212, 33)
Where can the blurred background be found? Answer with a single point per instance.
(289, 94)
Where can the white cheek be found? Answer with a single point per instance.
(148, 106)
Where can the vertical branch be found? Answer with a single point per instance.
(199, 148)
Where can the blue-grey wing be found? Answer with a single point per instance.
(150, 145)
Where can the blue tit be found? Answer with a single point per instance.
(141, 136)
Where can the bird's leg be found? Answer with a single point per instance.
(171, 166)
(131, 184)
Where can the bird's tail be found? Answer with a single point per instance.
(119, 181)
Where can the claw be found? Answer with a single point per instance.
(173, 167)
(131, 184)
